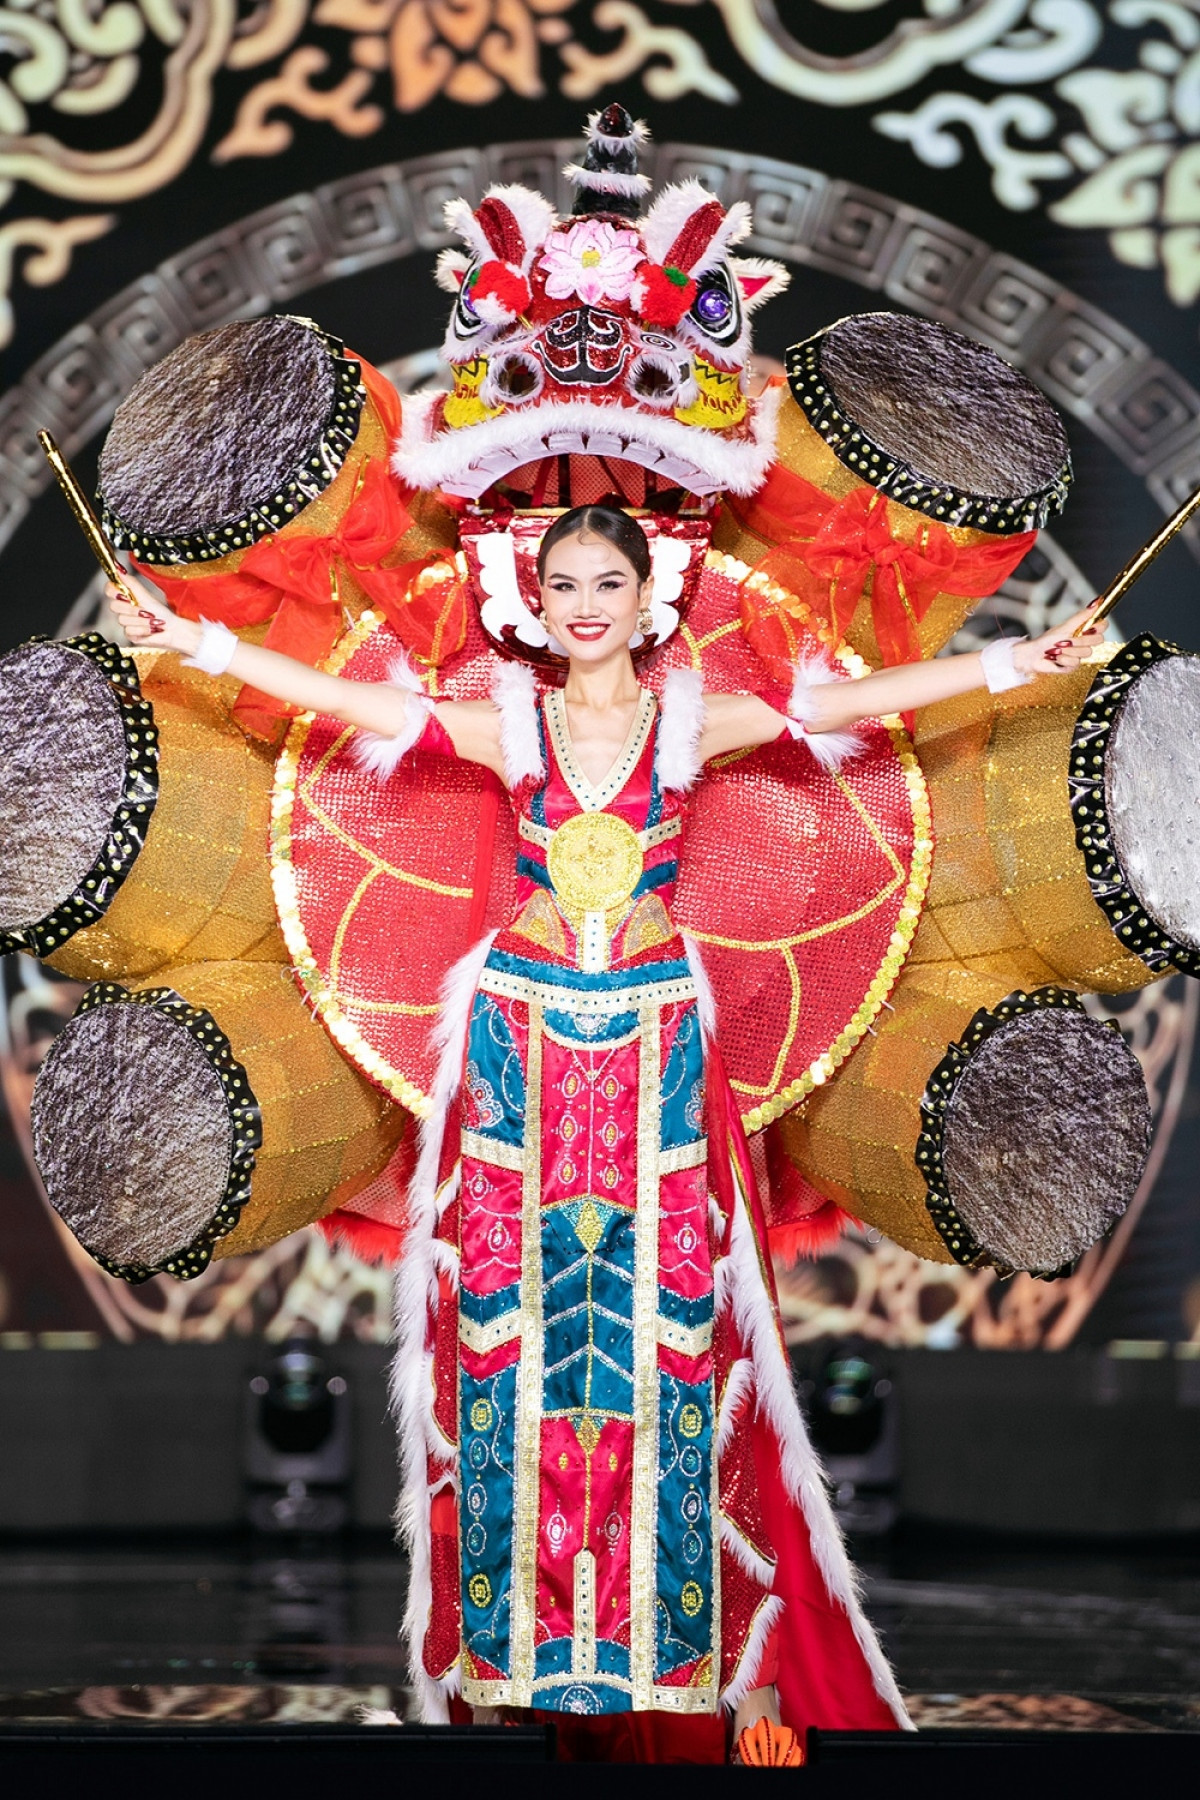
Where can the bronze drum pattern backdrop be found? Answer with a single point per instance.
(1027, 174)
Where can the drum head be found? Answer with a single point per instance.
(1037, 1128)
(1150, 779)
(934, 420)
(1132, 779)
(78, 782)
(144, 1131)
(228, 438)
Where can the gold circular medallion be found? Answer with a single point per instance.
(595, 862)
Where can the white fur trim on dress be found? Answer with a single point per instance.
(378, 755)
(800, 1468)
(706, 1003)
(412, 1366)
(739, 1385)
(829, 748)
(745, 1679)
(677, 757)
(514, 695)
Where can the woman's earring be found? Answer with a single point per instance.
(644, 621)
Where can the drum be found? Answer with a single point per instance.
(134, 815)
(914, 467)
(210, 1117)
(994, 1130)
(1061, 813)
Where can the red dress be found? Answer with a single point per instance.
(610, 1501)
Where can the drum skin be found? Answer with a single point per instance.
(1009, 896)
(201, 888)
(801, 449)
(326, 1132)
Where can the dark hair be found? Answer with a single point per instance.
(607, 522)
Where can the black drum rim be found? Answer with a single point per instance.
(896, 480)
(1131, 924)
(245, 1118)
(936, 1101)
(91, 898)
(307, 482)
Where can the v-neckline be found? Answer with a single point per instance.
(595, 796)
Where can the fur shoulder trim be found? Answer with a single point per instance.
(829, 748)
(677, 757)
(514, 695)
(378, 755)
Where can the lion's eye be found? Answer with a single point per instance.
(465, 316)
(713, 308)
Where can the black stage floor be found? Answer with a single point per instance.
(239, 1633)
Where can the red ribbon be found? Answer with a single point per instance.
(826, 549)
(293, 581)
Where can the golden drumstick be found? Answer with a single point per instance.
(1137, 565)
(88, 523)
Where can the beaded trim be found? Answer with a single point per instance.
(936, 1102)
(244, 1114)
(1131, 923)
(272, 513)
(866, 459)
(95, 893)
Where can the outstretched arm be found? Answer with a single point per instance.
(473, 726)
(743, 722)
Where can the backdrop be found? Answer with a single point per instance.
(1027, 171)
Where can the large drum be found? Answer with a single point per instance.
(915, 466)
(207, 1117)
(1062, 815)
(979, 1127)
(134, 815)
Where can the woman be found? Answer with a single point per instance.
(610, 1503)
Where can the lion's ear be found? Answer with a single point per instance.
(759, 279)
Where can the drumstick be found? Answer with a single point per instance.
(1137, 565)
(87, 521)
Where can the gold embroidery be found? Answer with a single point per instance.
(649, 925)
(595, 862)
(541, 923)
(526, 1474)
(643, 1549)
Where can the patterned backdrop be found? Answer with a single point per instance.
(1027, 171)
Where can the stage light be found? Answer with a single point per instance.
(297, 1443)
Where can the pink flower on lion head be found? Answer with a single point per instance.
(592, 261)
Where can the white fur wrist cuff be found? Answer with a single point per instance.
(999, 668)
(214, 652)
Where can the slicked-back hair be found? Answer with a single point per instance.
(607, 522)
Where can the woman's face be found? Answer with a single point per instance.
(591, 597)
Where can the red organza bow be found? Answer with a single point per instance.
(827, 549)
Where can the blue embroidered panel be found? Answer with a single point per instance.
(682, 1094)
(684, 1580)
(494, 1074)
(488, 1415)
(588, 1327)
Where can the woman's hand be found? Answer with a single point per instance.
(1058, 650)
(151, 621)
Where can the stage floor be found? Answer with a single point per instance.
(1062, 1639)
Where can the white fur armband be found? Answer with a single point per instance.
(214, 652)
(380, 756)
(999, 666)
(830, 748)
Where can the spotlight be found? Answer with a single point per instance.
(851, 1408)
(297, 1443)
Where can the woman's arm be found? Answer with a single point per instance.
(473, 726)
(743, 722)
